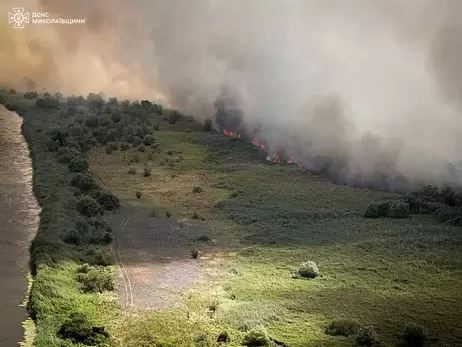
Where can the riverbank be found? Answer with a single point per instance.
(18, 223)
(54, 261)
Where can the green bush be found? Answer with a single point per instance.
(377, 209)
(366, 336)
(109, 149)
(83, 181)
(89, 207)
(341, 327)
(77, 329)
(194, 254)
(150, 156)
(413, 336)
(197, 190)
(78, 164)
(173, 117)
(31, 95)
(124, 146)
(108, 201)
(95, 278)
(66, 154)
(257, 337)
(308, 269)
(142, 149)
(168, 214)
(207, 126)
(450, 215)
(398, 209)
(136, 141)
(138, 195)
(148, 140)
(146, 172)
(223, 337)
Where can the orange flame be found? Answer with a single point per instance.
(276, 156)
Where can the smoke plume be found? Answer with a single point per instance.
(373, 87)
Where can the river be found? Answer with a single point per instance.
(19, 216)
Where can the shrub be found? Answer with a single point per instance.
(203, 341)
(207, 126)
(197, 190)
(31, 95)
(153, 213)
(194, 254)
(136, 158)
(138, 195)
(66, 154)
(173, 117)
(136, 141)
(124, 146)
(156, 127)
(108, 201)
(92, 122)
(168, 214)
(223, 337)
(256, 338)
(148, 140)
(398, 209)
(377, 209)
(147, 172)
(78, 329)
(78, 164)
(233, 194)
(413, 336)
(95, 278)
(89, 207)
(308, 269)
(132, 171)
(341, 327)
(109, 149)
(149, 156)
(450, 215)
(366, 336)
(48, 103)
(142, 149)
(83, 181)
(203, 238)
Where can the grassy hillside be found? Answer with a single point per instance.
(255, 223)
(266, 219)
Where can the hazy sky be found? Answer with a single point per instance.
(326, 70)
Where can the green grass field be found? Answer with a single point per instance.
(263, 221)
(381, 272)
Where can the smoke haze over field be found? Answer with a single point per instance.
(376, 83)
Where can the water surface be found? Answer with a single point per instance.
(18, 223)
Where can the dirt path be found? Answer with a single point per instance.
(153, 256)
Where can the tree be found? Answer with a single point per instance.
(89, 207)
(148, 140)
(83, 181)
(92, 121)
(78, 164)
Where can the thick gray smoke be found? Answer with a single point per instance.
(376, 85)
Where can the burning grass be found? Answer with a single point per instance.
(382, 272)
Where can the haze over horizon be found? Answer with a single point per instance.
(378, 83)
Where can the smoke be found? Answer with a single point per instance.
(375, 87)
